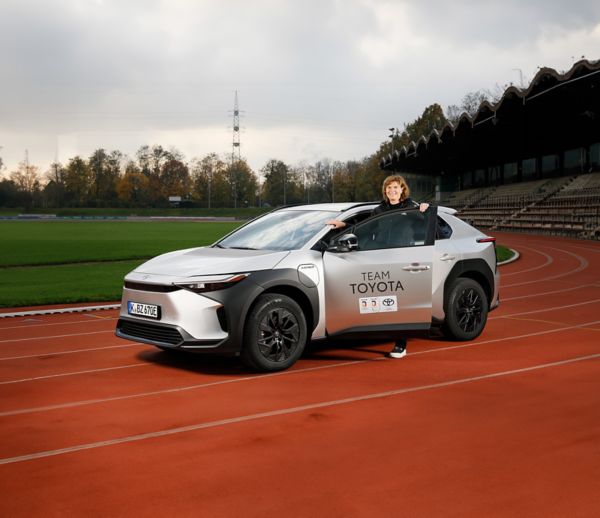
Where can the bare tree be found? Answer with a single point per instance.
(470, 104)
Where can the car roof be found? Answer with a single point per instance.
(333, 207)
(342, 207)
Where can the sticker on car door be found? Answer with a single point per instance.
(384, 304)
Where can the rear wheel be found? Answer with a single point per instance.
(466, 310)
(275, 333)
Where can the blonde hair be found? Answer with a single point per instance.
(396, 178)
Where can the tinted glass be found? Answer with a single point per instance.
(444, 231)
(395, 229)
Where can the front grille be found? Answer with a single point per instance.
(150, 332)
(157, 288)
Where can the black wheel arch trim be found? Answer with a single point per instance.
(476, 269)
(239, 299)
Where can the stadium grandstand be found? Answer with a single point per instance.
(529, 163)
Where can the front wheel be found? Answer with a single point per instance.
(466, 310)
(275, 333)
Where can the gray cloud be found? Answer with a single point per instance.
(316, 77)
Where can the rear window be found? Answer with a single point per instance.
(443, 230)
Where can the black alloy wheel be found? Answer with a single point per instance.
(275, 333)
(469, 309)
(279, 333)
(466, 310)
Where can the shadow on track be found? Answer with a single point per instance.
(327, 350)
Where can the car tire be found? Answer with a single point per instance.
(466, 310)
(275, 333)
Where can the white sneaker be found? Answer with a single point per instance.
(399, 351)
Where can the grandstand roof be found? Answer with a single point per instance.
(556, 112)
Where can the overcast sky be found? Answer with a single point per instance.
(315, 79)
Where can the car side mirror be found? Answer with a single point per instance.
(346, 243)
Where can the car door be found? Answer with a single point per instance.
(385, 283)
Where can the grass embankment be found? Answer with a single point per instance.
(63, 261)
(503, 253)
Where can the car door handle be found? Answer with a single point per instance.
(447, 257)
(416, 268)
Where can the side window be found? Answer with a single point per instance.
(333, 234)
(443, 230)
(395, 229)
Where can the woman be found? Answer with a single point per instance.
(395, 196)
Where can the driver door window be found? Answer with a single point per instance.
(394, 229)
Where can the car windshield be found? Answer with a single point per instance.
(280, 230)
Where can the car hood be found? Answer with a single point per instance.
(211, 261)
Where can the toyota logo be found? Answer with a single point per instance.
(388, 302)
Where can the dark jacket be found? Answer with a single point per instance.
(384, 206)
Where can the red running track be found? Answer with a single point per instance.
(506, 425)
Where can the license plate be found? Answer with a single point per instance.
(143, 310)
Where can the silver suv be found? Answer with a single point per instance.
(265, 289)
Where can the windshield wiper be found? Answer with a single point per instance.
(242, 248)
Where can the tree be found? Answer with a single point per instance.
(78, 181)
(431, 119)
(151, 161)
(303, 173)
(105, 171)
(174, 178)
(9, 194)
(279, 180)
(322, 184)
(203, 172)
(132, 187)
(55, 191)
(221, 188)
(469, 105)
(243, 183)
(27, 182)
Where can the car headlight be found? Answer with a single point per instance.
(212, 284)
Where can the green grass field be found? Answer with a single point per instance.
(62, 242)
(52, 262)
(242, 213)
(97, 282)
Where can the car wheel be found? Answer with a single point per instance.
(466, 310)
(275, 333)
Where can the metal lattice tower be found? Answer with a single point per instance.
(235, 144)
(236, 131)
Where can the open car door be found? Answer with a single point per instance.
(378, 275)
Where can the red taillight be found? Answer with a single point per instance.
(486, 239)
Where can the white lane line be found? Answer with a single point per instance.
(90, 371)
(542, 293)
(288, 411)
(554, 308)
(31, 326)
(273, 374)
(69, 352)
(37, 312)
(183, 389)
(495, 340)
(55, 336)
(549, 260)
(583, 264)
(595, 250)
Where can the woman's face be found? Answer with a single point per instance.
(393, 192)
